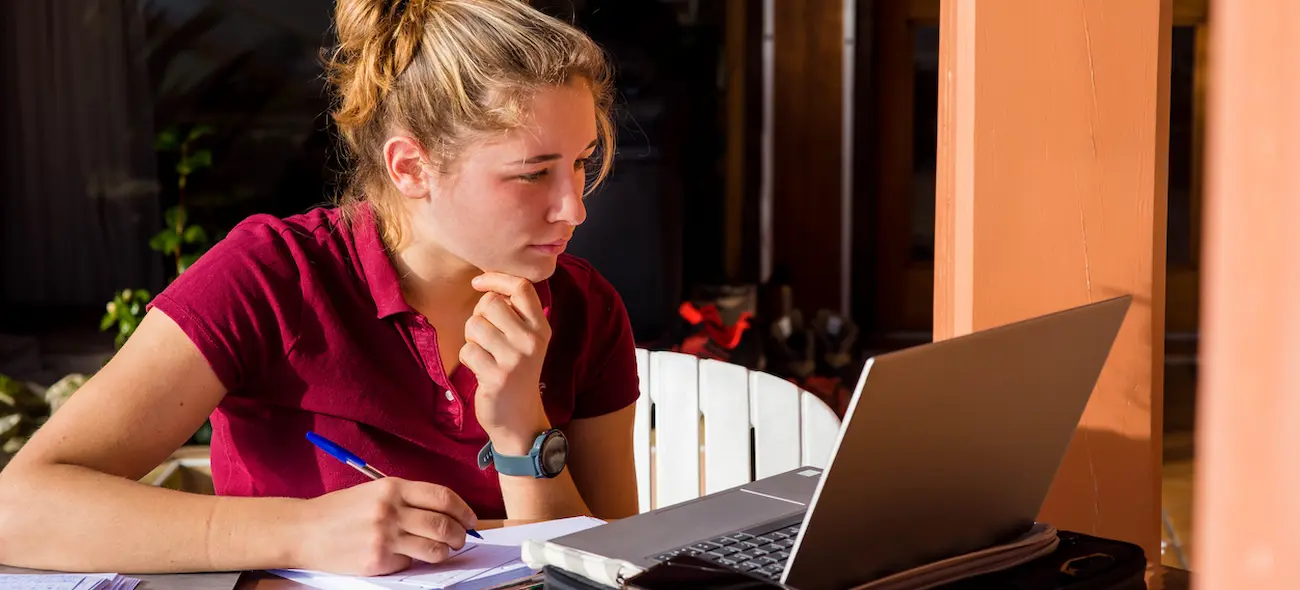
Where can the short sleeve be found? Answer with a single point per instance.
(613, 383)
(241, 301)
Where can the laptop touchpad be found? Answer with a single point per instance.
(653, 533)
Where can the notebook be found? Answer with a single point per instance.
(480, 565)
(66, 582)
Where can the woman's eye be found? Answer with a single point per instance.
(533, 176)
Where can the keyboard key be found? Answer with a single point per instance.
(782, 555)
(723, 541)
(773, 570)
(741, 536)
(748, 565)
(757, 552)
(765, 539)
(787, 543)
(727, 562)
(726, 550)
(705, 546)
(779, 535)
(751, 544)
(768, 560)
(772, 547)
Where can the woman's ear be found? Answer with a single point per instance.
(405, 163)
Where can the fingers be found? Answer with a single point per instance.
(520, 291)
(421, 548)
(434, 526)
(495, 309)
(481, 331)
(438, 498)
(476, 358)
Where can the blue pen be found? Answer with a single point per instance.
(355, 462)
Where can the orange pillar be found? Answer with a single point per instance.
(1248, 439)
(1053, 147)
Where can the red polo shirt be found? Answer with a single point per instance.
(304, 322)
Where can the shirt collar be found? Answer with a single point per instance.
(381, 277)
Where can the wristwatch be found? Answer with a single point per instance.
(546, 459)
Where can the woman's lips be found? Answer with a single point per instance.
(552, 248)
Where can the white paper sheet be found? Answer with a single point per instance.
(66, 582)
(481, 564)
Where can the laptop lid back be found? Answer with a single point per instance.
(951, 446)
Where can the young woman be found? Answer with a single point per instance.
(432, 312)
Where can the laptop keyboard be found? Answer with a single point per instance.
(761, 551)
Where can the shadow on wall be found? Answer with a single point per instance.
(1096, 492)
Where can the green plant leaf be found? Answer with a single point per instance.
(183, 169)
(199, 160)
(198, 131)
(194, 234)
(186, 261)
(143, 295)
(166, 242)
(107, 322)
(204, 434)
(174, 216)
(166, 140)
(158, 243)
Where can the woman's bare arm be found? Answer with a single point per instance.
(599, 479)
(70, 499)
(602, 462)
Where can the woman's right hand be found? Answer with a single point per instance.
(380, 526)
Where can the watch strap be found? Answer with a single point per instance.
(516, 465)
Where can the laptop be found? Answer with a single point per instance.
(946, 448)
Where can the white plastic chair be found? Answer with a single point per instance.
(792, 428)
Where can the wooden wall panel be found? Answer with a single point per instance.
(1052, 177)
(806, 162)
(1248, 477)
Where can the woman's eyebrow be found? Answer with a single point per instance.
(549, 157)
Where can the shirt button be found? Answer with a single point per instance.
(450, 397)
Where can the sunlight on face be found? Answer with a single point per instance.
(512, 203)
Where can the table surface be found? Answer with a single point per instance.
(1159, 577)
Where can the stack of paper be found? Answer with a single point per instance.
(480, 565)
(66, 582)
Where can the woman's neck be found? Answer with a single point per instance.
(436, 283)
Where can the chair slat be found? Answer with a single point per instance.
(674, 386)
(724, 399)
(774, 412)
(820, 428)
(641, 431)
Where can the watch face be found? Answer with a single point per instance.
(555, 452)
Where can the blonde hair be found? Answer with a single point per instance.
(451, 72)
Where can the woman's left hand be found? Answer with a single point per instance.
(505, 344)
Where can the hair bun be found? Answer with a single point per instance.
(371, 52)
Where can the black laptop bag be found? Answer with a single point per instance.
(1080, 562)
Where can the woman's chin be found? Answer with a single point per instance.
(531, 266)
